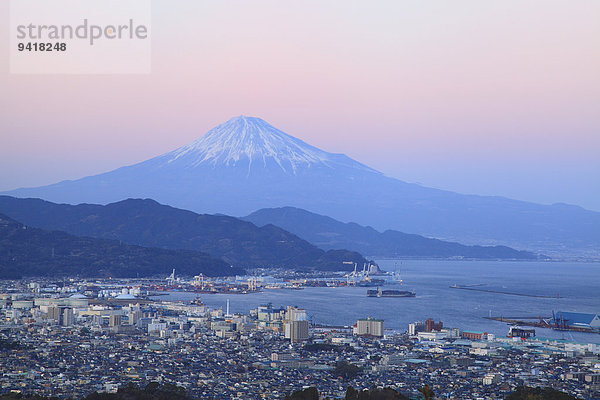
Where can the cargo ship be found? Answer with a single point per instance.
(390, 293)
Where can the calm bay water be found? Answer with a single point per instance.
(577, 284)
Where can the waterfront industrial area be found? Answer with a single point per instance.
(72, 337)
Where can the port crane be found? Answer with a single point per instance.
(171, 278)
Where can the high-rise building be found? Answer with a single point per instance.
(114, 320)
(267, 313)
(67, 316)
(296, 326)
(369, 327)
(54, 313)
(296, 331)
(135, 316)
(62, 315)
(295, 314)
(415, 328)
(431, 326)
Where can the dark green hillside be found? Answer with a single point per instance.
(26, 251)
(148, 223)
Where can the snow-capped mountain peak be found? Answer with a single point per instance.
(252, 141)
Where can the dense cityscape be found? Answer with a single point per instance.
(71, 338)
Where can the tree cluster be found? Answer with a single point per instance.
(346, 370)
(152, 391)
(529, 393)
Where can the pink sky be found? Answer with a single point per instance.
(497, 98)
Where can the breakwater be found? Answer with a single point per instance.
(477, 288)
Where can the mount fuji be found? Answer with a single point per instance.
(245, 164)
(254, 145)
